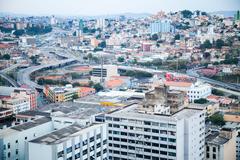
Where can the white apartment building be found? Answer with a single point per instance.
(194, 90)
(17, 102)
(138, 135)
(13, 140)
(74, 142)
(105, 72)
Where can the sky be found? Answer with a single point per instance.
(108, 7)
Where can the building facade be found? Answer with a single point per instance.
(73, 142)
(133, 135)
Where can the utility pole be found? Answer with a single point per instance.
(101, 69)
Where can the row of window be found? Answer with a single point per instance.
(146, 137)
(164, 153)
(145, 149)
(141, 122)
(78, 155)
(69, 150)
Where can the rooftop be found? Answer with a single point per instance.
(33, 113)
(132, 111)
(61, 135)
(31, 124)
(76, 110)
(214, 138)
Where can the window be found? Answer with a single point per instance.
(155, 138)
(163, 145)
(147, 150)
(25, 138)
(16, 151)
(155, 151)
(171, 147)
(16, 141)
(84, 151)
(214, 156)
(123, 133)
(207, 148)
(155, 130)
(214, 149)
(8, 145)
(172, 154)
(207, 155)
(155, 144)
(9, 154)
(91, 139)
(77, 146)
(116, 119)
(60, 154)
(171, 140)
(84, 142)
(147, 123)
(69, 149)
(116, 139)
(163, 139)
(163, 152)
(131, 147)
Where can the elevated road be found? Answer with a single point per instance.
(9, 79)
(23, 76)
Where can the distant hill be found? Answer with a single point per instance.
(225, 13)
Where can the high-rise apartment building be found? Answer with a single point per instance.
(162, 26)
(135, 134)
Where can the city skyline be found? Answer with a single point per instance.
(107, 7)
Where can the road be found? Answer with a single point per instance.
(9, 79)
(230, 86)
(23, 76)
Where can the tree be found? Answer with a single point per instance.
(219, 43)
(102, 44)
(217, 119)
(98, 87)
(90, 83)
(75, 96)
(201, 101)
(177, 37)
(186, 14)
(233, 96)
(18, 33)
(154, 37)
(120, 59)
(217, 92)
(34, 59)
(6, 56)
(206, 44)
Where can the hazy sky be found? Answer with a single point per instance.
(106, 7)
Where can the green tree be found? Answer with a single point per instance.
(98, 87)
(219, 43)
(102, 44)
(217, 92)
(233, 96)
(186, 14)
(75, 96)
(120, 59)
(201, 101)
(154, 37)
(18, 33)
(217, 119)
(6, 56)
(206, 44)
(177, 37)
